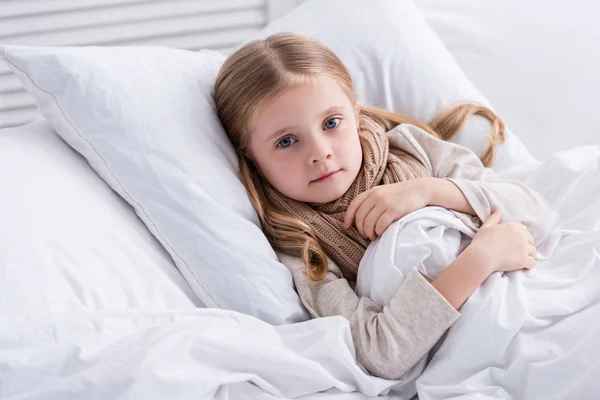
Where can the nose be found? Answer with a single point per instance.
(320, 150)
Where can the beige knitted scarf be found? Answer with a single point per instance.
(382, 164)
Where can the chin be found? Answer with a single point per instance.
(330, 193)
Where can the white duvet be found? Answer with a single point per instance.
(522, 335)
(535, 335)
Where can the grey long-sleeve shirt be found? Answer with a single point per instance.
(392, 339)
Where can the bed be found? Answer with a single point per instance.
(103, 294)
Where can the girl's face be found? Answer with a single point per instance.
(305, 142)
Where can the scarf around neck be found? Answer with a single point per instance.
(382, 164)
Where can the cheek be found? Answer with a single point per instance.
(283, 173)
(357, 156)
(353, 152)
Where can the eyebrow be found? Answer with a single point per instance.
(288, 128)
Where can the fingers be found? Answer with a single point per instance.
(370, 222)
(373, 217)
(493, 219)
(378, 221)
(364, 212)
(530, 260)
(383, 222)
(530, 263)
(532, 251)
(522, 227)
(530, 239)
(354, 207)
(525, 233)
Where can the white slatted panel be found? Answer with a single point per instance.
(187, 24)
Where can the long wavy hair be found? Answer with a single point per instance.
(259, 71)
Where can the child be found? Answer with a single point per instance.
(327, 176)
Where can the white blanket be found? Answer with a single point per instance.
(535, 335)
(188, 354)
(524, 335)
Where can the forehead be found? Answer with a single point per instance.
(299, 105)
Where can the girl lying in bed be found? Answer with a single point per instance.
(327, 176)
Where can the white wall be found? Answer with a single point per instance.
(186, 24)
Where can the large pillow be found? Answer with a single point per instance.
(397, 62)
(537, 62)
(67, 241)
(144, 119)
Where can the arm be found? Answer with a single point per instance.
(480, 186)
(457, 282)
(444, 193)
(391, 340)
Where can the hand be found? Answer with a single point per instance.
(378, 207)
(504, 247)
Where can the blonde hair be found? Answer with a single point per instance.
(257, 73)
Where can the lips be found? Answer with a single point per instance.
(324, 176)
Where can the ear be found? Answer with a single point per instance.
(357, 112)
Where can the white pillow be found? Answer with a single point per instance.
(397, 62)
(537, 62)
(67, 241)
(144, 119)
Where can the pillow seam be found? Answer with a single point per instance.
(3, 54)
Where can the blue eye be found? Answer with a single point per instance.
(336, 122)
(286, 142)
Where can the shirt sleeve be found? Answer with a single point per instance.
(482, 188)
(389, 340)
